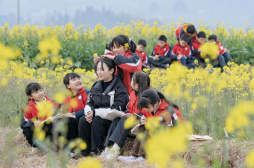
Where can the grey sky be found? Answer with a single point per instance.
(231, 12)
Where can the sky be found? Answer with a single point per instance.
(231, 12)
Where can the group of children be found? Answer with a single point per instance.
(121, 86)
(186, 50)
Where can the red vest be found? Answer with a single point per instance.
(142, 56)
(161, 51)
(132, 106)
(30, 111)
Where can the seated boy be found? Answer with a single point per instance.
(188, 29)
(160, 55)
(222, 51)
(201, 39)
(181, 51)
(141, 53)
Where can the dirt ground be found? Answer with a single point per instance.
(21, 155)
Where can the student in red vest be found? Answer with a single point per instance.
(142, 54)
(126, 60)
(153, 104)
(160, 55)
(188, 29)
(201, 39)
(36, 95)
(222, 51)
(77, 93)
(181, 52)
(117, 134)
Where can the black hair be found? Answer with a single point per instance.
(69, 77)
(212, 37)
(121, 40)
(162, 38)
(142, 42)
(109, 46)
(201, 34)
(143, 81)
(185, 38)
(109, 62)
(191, 29)
(32, 87)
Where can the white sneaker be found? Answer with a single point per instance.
(104, 153)
(113, 153)
(140, 159)
(127, 159)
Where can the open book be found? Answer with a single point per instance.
(200, 138)
(108, 114)
(135, 129)
(59, 115)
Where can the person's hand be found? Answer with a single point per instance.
(156, 58)
(108, 56)
(89, 116)
(96, 59)
(227, 50)
(126, 115)
(36, 123)
(70, 115)
(143, 120)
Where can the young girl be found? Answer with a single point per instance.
(152, 104)
(117, 134)
(73, 82)
(106, 94)
(126, 60)
(36, 95)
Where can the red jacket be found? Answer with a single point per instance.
(132, 106)
(142, 56)
(195, 47)
(221, 48)
(128, 64)
(30, 111)
(161, 51)
(182, 29)
(177, 49)
(80, 98)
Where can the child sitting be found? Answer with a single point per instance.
(153, 104)
(201, 39)
(141, 53)
(181, 51)
(160, 55)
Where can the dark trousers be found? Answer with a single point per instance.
(219, 62)
(71, 134)
(201, 61)
(93, 134)
(158, 63)
(138, 146)
(227, 57)
(117, 134)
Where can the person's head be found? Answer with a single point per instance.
(149, 100)
(105, 69)
(201, 37)
(34, 91)
(141, 45)
(162, 40)
(191, 30)
(122, 43)
(184, 40)
(140, 81)
(109, 46)
(212, 38)
(73, 82)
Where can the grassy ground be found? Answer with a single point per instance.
(203, 154)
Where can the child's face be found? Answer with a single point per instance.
(161, 43)
(38, 95)
(106, 74)
(134, 85)
(211, 41)
(119, 49)
(201, 40)
(140, 48)
(75, 84)
(183, 43)
(151, 108)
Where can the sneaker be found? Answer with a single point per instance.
(127, 159)
(165, 66)
(104, 153)
(113, 153)
(75, 155)
(140, 159)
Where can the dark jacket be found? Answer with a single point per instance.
(99, 98)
